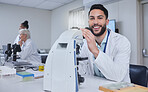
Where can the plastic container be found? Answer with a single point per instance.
(41, 67)
(26, 76)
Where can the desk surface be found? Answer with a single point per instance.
(14, 84)
(92, 84)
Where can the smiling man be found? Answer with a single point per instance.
(108, 52)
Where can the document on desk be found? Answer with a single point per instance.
(37, 74)
(123, 87)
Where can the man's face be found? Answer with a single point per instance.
(97, 22)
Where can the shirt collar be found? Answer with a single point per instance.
(104, 40)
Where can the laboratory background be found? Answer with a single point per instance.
(48, 19)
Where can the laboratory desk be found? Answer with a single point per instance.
(13, 84)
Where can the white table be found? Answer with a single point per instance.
(14, 84)
(92, 84)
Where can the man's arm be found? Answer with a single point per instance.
(116, 66)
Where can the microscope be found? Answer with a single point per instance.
(8, 52)
(61, 68)
(79, 59)
(11, 56)
(12, 50)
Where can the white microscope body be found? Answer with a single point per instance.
(60, 73)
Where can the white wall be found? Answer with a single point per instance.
(39, 21)
(128, 25)
(59, 19)
(126, 15)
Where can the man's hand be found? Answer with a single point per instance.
(90, 41)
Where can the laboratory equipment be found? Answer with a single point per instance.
(12, 50)
(60, 73)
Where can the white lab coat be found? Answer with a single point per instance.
(114, 64)
(29, 53)
(17, 39)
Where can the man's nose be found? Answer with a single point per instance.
(95, 21)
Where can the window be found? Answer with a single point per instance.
(76, 18)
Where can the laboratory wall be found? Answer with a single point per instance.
(124, 11)
(59, 19)
(39, 24)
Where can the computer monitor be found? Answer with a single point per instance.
(112, 25)
(4, 48)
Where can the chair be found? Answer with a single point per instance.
(43, 58)
(139, 75)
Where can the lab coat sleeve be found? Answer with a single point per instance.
(115, 68)
(26, 51)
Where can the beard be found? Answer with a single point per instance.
(102, 29)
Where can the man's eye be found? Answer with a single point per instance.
(91, 18)
(100, 18)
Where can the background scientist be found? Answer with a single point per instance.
(23, 25)
(29, 50)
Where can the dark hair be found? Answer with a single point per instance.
(99, 6)
(25, 24)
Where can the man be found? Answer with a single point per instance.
(108, 52)
(29, 50)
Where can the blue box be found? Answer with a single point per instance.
(26, 76)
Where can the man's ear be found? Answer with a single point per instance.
(88, 22)
(107, 21)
